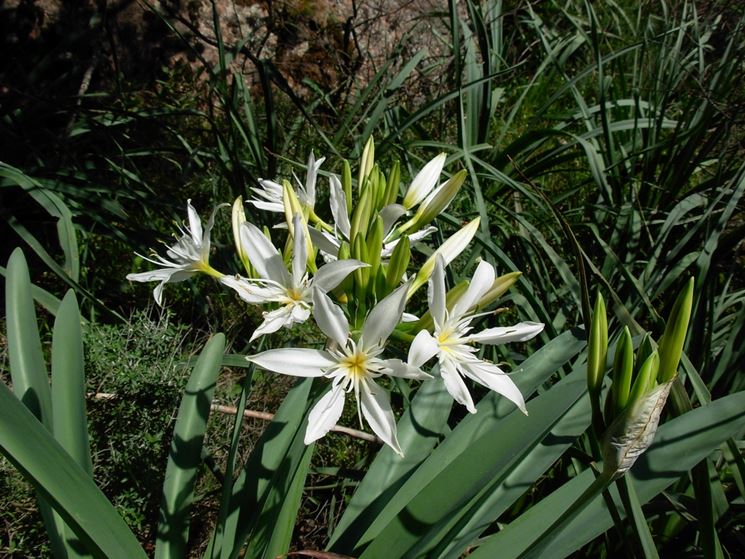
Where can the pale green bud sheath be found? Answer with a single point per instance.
(367, 162)
(375, 246)
(436, 202)
(361, 214)
(623, 369)
(671, 344)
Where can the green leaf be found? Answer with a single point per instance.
(68, 399)
(680, 444)
(185, 455)
(63, 483)
(419, 430)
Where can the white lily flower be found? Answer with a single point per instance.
(269, 193)
(452, 340)
(293, 291)
(189, 256)
(352, 365)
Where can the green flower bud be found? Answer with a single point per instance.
(671, 344)
(375, 246)
(367, 162)
(623, 369)
(361, 214)
(398, 263)
(646, 378)
(597, 348)
(391, 189)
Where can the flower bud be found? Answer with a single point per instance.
(346, 183)
(498, 288)
(424, 181)
(398, 263)
(436, 202)
(597, 348)
(391, 189)
(671, 344)
(623, 369)
(367, 162)
(239, 218)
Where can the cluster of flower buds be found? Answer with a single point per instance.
(640, 383)
(357, 298)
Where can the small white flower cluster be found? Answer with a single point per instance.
(357, 298)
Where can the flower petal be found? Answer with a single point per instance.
(338, 203)
(332, 274)
(273, 321)
(326, 243)
(325, 414)
(384, 317)
(494, 379)
(455, 385)
(246, 290)
(390, 215)
(195, 224)
(436, 296)
(310, 178)
(294, 361)
(299, 250)
(263, 255)
(400, 369)
(505, 334)
(482, 280)
(330, 318)
(423, 348)
(424, 181)
(376, 408)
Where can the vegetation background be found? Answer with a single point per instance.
(603, 143)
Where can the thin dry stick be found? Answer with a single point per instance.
(266, 416)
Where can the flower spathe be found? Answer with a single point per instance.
(351, 364)
(189, 256)
(452, 340)
(291, 290)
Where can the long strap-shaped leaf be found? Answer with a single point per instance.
(679, 445)
(186, 452)
(68, 399)
(63, 483)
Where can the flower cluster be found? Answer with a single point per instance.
(357, 298)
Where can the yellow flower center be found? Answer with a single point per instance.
(355, 365)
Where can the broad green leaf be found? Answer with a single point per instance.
(27, 368)
(185, 455)
(63, 483)
(419, 430)
(68, 399)
(679, 445)
(273, 459)
(431, 520)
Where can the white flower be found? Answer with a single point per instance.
(424, 182)
(453, 338)
(352, 365)
(293, 291)
(189, 256)
(269, 193)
